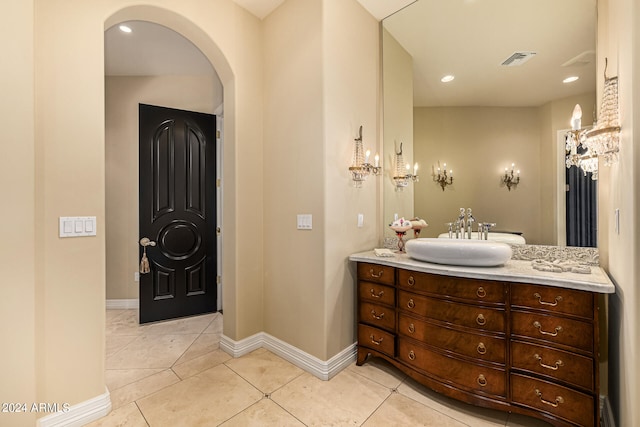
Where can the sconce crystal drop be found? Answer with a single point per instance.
(403, 175)
(604, 138)
(361, 168)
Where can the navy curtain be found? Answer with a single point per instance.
(582, 218)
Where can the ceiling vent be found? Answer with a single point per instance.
(518, 58)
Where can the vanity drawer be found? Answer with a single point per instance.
(483, 347)
(489, 319)
(554, 399)
(377, 293)
(469, 376)
(553, 299)
(553, 329)
(376, 273)
(568, 367)
(377, 315)
(376, 339)
(478, 291)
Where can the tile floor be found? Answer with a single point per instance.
(174, 374)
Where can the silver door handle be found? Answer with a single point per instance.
(145, 241)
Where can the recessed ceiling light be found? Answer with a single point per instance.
(570, 79)
(447, 78)
(125, 29)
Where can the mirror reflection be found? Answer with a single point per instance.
(504, 107)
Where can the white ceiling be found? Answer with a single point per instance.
(468, 38)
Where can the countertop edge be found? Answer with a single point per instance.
(513, 271)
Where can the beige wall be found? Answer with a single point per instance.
(477, 143)
(618, 23)
(397, 74)
(122, 96)
(320, 86)
(17, 250)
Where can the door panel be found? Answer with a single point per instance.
(177, 211)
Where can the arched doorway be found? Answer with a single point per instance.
(205, 95)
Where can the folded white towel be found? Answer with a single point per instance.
(383, 252)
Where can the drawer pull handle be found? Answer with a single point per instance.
(481, 292)
(411, 303)
(373, 274)
(481, 380)
(411, 328)
(375, 316)
(411, 281)
(555, 403)
(552, 304)
(412, 355)
(480, 320)
(481, 348)
(553, 368)
(378, 295)
(538, 326)
(373, 340)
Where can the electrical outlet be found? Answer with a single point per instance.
(136, 276)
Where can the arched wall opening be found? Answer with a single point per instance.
(218, 60)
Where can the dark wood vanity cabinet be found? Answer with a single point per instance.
(515, 347)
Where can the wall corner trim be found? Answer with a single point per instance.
(79, 414)
(322, 369)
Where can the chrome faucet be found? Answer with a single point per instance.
(461, 224)
(470, 221)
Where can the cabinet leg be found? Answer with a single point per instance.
(362, 356)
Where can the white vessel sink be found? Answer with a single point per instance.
(476, 253)
(494, 237)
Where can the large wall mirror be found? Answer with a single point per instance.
(507, 104)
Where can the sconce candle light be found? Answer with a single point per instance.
(403, 174)
(510, 179)
(442, 178)
(361, 168)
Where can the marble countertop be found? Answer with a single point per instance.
(517, 271)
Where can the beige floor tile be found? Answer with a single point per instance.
(399, 410)
(126, 323)
(264, 370)
(129, 416)
(263, 413)
(346, 400)
(517, 420)
(110, 315)
(115, 343)
(144, 387)
(187, 325)
(215, 327)
(469, 414)
(206, 399)
(380, 371)
(151, 351)
(200, 364)
(117, 378)
(205, 343)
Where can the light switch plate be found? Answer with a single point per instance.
(77, 226)
(360, 220)
(305, 222)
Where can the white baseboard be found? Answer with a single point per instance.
(80, 414)
(606, 413)
(322, 369)
(121, 304)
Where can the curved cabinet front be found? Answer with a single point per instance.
(515, 347)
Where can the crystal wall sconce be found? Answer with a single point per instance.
(509, 178)
(361, 167)
(441, 178)
(403, 175)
